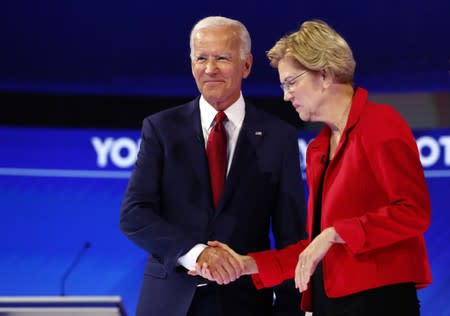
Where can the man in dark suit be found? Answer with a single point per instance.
(179, 196)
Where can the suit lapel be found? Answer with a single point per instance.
(196, 147)
(250, 136)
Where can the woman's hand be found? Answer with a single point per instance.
(310, 257)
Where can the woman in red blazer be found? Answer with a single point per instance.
(368, 202)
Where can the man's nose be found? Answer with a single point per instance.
(211, 66)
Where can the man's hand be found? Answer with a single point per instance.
(235, 266)
(218, 265)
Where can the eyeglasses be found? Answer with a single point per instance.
(287, 85)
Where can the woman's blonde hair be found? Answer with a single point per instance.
(316, 46)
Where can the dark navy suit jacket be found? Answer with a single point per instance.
(168, 206)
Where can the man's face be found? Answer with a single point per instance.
(217, 65)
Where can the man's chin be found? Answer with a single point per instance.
(212, 98)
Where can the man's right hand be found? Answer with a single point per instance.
(231, 269)
(221, 265)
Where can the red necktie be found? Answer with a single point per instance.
(216, 150)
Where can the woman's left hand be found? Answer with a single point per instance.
(310, 257)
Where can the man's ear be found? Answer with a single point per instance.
(247, 66)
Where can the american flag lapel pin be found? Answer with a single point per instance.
(258, 133)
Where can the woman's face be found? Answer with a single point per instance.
(301, 87)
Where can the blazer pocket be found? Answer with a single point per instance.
(155, 270)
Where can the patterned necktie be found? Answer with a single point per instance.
(216, 150)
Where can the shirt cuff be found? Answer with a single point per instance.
(190, 258)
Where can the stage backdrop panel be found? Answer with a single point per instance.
(60, 195)
(142, 47)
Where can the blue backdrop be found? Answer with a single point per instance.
(60, 188)
(141, 47)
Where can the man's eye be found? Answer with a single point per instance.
(200, 58)
(223, 58)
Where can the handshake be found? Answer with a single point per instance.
(221, 264)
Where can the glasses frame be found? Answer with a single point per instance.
(287, 84)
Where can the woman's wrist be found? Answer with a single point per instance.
(333, 236)
(250, 266)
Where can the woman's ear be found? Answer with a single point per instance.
(327, 78)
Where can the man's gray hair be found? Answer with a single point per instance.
(220, 21)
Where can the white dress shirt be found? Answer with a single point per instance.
(235, 117)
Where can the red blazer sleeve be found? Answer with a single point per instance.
(275, 266)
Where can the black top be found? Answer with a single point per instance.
(318, 214)
(321, 302)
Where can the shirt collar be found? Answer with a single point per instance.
(235, 112)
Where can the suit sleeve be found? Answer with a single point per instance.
(288, 227)
(396, 167)
(141, 219)
(288, 217)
